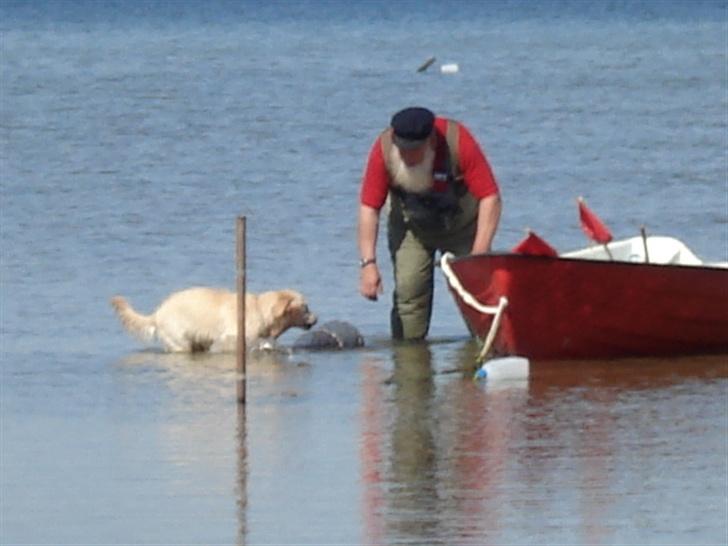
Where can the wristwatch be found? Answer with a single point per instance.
(365, 262)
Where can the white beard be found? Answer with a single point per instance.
(415, 179)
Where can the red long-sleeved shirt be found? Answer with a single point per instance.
(476, 171)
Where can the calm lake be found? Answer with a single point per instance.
(132, 134)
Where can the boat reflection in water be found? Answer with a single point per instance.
(580, 452)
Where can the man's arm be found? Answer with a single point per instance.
(370, 282)
(482, 185)
(489, 211)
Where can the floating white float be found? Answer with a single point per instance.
(506, 368)
(451, 68)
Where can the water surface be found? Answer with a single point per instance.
(133, 134)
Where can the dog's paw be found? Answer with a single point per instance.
(265, 345)
(268, 345)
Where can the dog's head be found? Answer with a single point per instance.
(290, 310)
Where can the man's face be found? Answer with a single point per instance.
(414, 156)
(411, 169)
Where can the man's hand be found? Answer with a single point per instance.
(370, 282)
(489, 211)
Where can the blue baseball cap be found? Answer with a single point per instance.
(411, 127)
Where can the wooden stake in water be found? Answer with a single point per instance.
(240, 268)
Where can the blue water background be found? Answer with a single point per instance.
(132, 134)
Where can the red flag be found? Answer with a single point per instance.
(533, 245)
(592, 225)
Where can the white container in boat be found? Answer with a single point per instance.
(450, 68)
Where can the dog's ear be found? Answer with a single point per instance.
(281, 306)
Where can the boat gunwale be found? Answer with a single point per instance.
(591, 261)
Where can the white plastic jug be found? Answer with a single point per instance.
(508, 367)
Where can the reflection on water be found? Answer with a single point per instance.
(393, 444)
(412, 464)
(241, 491)
(434, 464)
(201, 393)
(195, 377)
(584, 450)
(590, 451)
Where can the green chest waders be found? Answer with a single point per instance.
(418, 226)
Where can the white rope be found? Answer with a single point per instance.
(466, 296)
(502, 303)
(469, 299)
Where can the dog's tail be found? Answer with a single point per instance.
(142, 326)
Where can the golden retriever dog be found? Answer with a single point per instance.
(205, 319)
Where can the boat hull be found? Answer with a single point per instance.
(573, 308)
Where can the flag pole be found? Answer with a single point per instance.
(643, 232)
(609, 252)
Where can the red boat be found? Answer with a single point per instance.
(645, 296)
